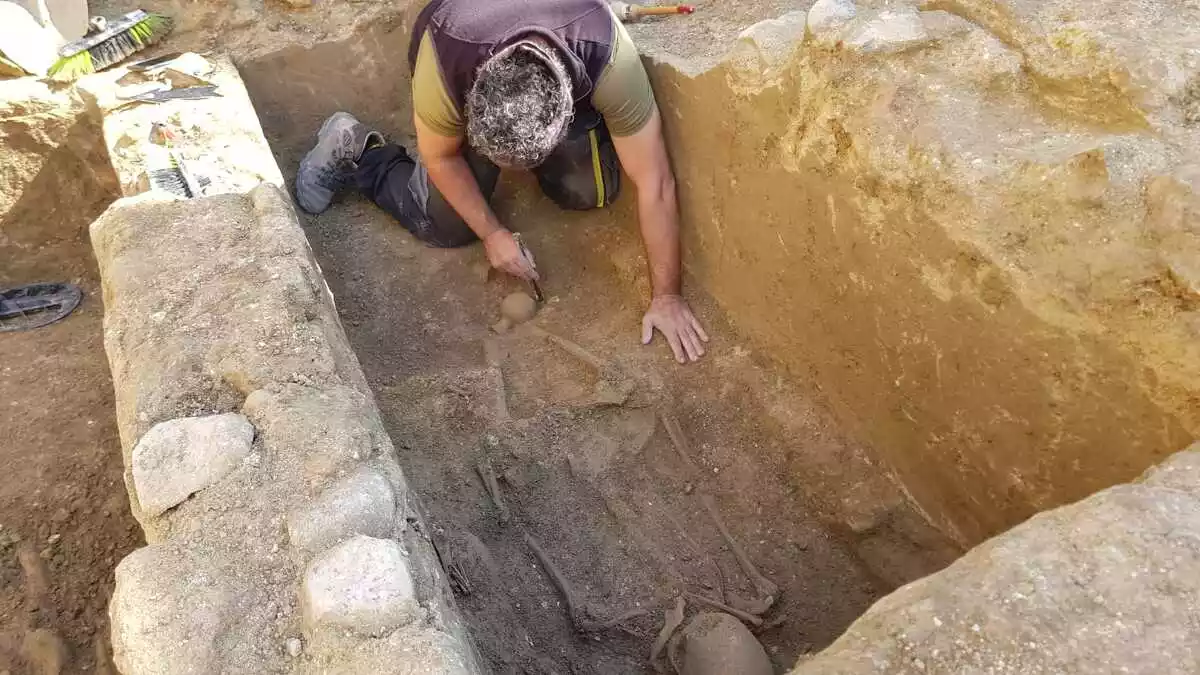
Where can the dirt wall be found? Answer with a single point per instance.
(54, 177)
(975, 282)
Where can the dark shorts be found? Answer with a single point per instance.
(582, 173)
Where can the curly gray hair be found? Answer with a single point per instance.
(520, 106)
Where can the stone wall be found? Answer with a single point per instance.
(282, 536)
(972, 225)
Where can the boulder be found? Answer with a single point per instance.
(1108, 585)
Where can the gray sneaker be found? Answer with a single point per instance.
(330, 165)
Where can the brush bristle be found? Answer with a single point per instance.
(170, 181)
(72, 67)
(166, 174)
(113, 50)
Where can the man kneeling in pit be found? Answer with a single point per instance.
(554, 86)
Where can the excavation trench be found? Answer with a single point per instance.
(880, 228)
(595, 477)
(882, 389)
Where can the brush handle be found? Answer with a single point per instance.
(110, 29)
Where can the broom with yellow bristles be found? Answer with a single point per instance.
(108, 43)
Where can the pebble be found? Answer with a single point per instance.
(293, 645)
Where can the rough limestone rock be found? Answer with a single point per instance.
(888, 31)
(362, 585)
(826, 18)
(1108, 585)
(761, 51)
(168, 614)
(179, 457)
(215, 306)
(325, 430)
(362, 503)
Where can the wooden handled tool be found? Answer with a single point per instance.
(537, 289)
(630, 13)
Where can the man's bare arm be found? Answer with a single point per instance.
(449, 171)
(644, 157)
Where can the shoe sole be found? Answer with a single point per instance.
(320, 132)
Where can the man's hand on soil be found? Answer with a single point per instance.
(671, 316)
(504, 253)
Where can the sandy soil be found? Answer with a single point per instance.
(599, 485)
(64, 516)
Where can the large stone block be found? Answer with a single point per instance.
(1108, 585)
(362, 585)
(179, 457)
(316, 432)
(216, 304)
(207, 300)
